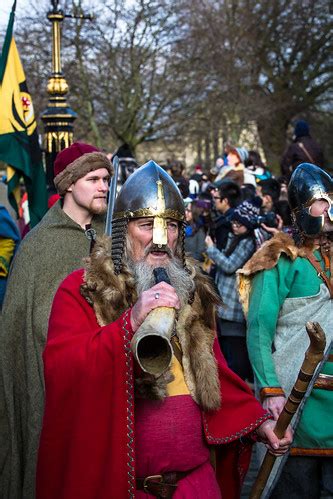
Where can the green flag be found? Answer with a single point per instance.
(19, 147)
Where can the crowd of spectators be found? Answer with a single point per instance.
(230, 212)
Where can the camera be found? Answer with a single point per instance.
(268, 219)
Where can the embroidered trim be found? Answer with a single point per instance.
(269, 391)
(225, 440)
(130, 409)
(298, 451)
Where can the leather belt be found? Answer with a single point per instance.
(164, 485)
(324, 381)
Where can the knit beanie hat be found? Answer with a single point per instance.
(301, 129)
(75, 162)
(247, 212)
(241, 152)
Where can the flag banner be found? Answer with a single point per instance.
(19, 146)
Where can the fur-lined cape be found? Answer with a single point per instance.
(110, 295)
(266, 258)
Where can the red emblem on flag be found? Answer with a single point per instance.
(26, 103)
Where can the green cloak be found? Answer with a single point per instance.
(52, 250)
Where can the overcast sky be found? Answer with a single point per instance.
(6, 6)
(5, 9)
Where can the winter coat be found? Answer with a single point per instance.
(195, 243)
(226, 267)
(49, 252)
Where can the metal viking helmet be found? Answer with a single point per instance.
(148, 192)
(308, 183)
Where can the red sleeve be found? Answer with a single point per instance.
(87, 370)
(77, 347)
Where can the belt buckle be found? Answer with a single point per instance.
(158, 478)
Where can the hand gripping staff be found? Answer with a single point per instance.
(112, 196)
(313, 356)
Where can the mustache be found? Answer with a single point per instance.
(158, 249)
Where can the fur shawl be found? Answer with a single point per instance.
(266, 258)
(110, 295)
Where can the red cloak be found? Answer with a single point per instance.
(87, 447)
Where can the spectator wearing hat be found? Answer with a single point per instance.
(50, 251)
(234, 170)
(304, 149)
(231, 321)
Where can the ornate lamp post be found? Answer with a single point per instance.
(58, 118)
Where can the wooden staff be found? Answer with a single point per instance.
(313, 357)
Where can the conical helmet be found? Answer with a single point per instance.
(308, 183)
(148, 192)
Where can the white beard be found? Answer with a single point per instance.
(179, 278)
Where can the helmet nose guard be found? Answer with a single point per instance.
(148, 192)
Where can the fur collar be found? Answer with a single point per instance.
(266, 257)
(110, 295)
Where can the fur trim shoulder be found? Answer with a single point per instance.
(110, 295)
(265, 258)
(268, 255)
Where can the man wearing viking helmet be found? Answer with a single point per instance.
(291, 283)
(112, 428)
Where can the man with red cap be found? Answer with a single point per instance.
(53, 249)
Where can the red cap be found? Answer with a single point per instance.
(76, 161)
(70, 154)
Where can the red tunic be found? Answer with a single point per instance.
(169, 436)
(87, 447)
